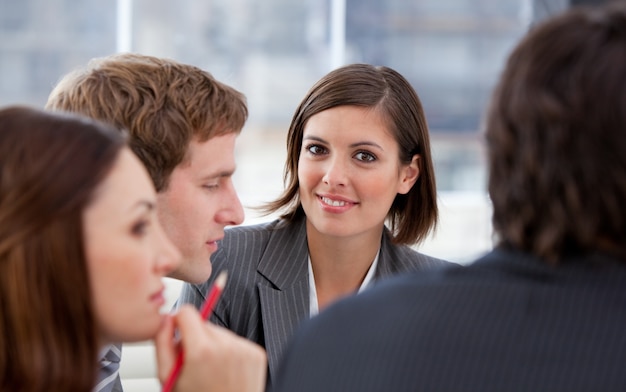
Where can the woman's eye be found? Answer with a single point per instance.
(210, 187)
(315, 149)
(365, 156)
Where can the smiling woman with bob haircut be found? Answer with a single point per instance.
(360, 191)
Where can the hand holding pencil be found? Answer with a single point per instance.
(207, 308)
(215, 359)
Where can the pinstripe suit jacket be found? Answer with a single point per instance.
(267, 294)
(508, 322)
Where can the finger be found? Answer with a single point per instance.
(166, 349)
(190, 325)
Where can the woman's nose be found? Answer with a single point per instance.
(336, 172)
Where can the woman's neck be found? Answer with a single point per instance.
(340, 263)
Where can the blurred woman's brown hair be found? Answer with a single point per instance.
(50, 165)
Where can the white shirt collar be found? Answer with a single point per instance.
(313, 304)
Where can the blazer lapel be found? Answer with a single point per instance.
(284, 303)
(386, 258)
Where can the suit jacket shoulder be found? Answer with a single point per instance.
(506, 322)
(400, 258)
(267, 293)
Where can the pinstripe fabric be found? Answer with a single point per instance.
(267, 294)
(509, 322)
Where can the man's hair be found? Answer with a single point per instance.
(556, 134)
(162, 104)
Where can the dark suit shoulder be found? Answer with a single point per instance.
(244, 253)
(236, 255)
(475, 327)
(244, 245)
(399, 258)
(421, 260)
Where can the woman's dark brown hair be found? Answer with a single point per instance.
(50, 165)
(556, 134)
(413, 215)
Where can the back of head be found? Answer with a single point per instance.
(556, 135)
(412, 216)
(163, 104)
(50, 165)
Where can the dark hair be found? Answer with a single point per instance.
(50, 165)
(163, 104)
(556, 134)
(413, 215)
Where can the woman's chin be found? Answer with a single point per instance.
(137, 332)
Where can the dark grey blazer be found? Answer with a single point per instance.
(267, 293)
(508, 322)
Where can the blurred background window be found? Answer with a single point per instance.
(274, 50)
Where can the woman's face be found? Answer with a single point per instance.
(127, 253)
(349, 172)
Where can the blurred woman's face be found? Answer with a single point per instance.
(127, 253)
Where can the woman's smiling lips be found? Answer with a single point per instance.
(336, 204)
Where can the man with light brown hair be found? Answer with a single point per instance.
(183, 124)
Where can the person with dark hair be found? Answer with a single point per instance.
(82, 256)
(360, 190)
(182, 123)
(544, 311)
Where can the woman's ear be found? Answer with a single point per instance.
(409, 175)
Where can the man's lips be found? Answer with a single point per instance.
(212, 245)
(215, 241)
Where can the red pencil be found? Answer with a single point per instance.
(207, 308)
